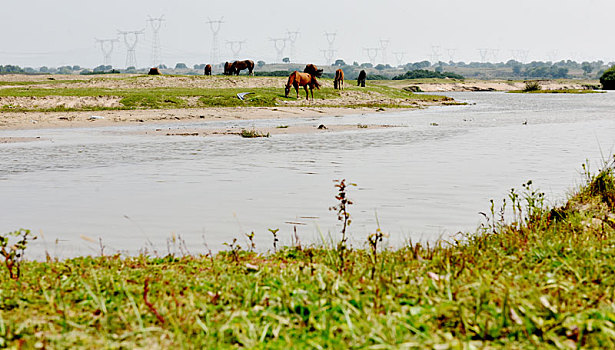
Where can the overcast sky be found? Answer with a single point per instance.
(63, 32)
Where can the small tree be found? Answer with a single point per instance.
(260, 64)
(181, 66)
(286, 60)
(608, 79)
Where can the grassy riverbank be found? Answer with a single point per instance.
(179, 92)
(543, 280)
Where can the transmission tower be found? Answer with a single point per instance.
(495, 54)
(553, 55)
(328, 54)
(435, 54)
(131, 39)
(280, 45)
(155, 24)
(292, 38)
(215, 43)
(483, 54)
(106, 46)
(451, 54)
(235, 47)
(372, 53)
(384, 44)
(399, 57)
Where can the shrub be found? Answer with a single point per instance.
(532, 86)
(608, 79)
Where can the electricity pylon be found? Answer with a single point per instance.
(155, 24)
(131, 38)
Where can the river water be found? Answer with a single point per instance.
(427, 179)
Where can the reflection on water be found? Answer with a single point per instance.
(418, 181)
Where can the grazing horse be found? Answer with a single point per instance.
(154, 71)
(338, 83)
(238, 66)
(296, 79)
(313, 70)
(361, 78)
(208, 69)
(228, 68)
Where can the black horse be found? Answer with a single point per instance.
(361, 78)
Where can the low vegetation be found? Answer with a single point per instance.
(532, 276)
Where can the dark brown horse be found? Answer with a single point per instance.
(238, 66)
(208, 69)
(338, 82)
(228, 68)
(297, 79)
(361, 78)
(313, 70)
(154, 71)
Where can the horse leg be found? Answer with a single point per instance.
(307, 96)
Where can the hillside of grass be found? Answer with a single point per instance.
(544, 278)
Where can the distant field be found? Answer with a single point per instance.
(64, 93)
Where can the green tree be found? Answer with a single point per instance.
(587, 67)
(608, 79)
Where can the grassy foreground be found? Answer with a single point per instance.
(545, 279)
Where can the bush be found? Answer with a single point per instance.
(608, 79)
(532, 86)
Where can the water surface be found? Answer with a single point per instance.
(426, 179)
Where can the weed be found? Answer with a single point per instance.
(235, 249)
(252, 133)
(362, 126)
(251, 239)
(275, 238)
(14, 253)
(344, 216)
(373, 240)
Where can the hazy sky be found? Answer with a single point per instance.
(62, 32)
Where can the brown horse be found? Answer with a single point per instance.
(338, 83)
(361, 78)
(228, 68)
(297, 79)
(313, 70)
(208, 69)
(238, 66)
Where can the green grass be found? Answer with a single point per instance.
(181, 97)
(546, 279)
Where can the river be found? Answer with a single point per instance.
(427, 179)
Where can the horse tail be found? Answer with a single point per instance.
(315, 82)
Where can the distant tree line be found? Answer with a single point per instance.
(424, 74)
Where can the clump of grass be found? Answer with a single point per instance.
(532, 86)
(362, 126)
(252, 133)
